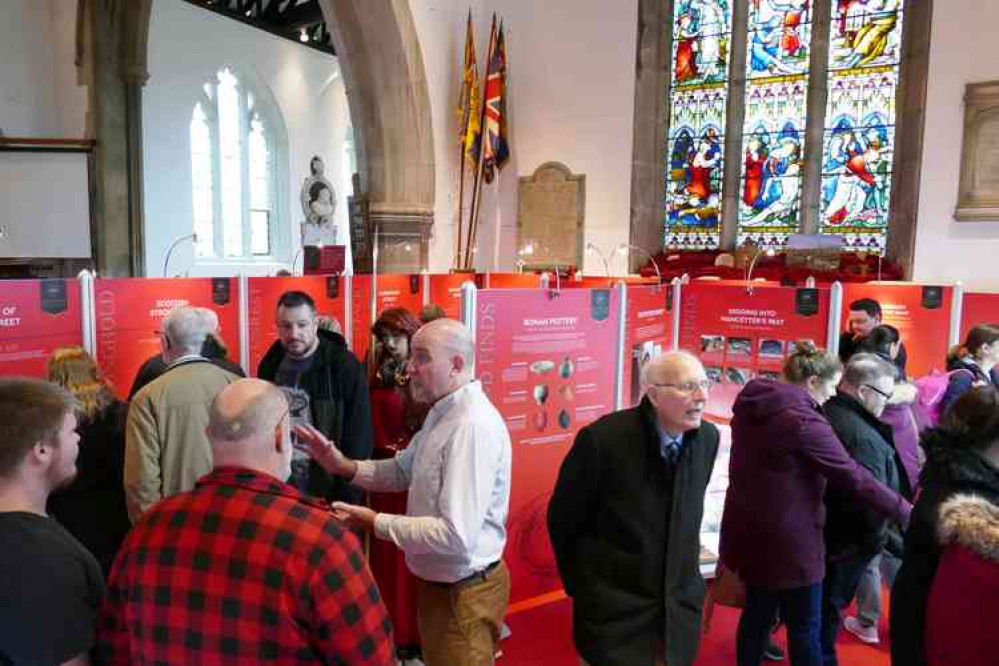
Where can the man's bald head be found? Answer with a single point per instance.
(244, 410)
(665, 368)
(440, 360)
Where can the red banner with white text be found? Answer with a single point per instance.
(36, 318)
(130, 313)
(328, 291)
(546, 361)
(648, 332)
(920, 313)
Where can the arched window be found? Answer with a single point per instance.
(781, 113)
(235, 138)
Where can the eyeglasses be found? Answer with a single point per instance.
(886, 396)
(688, 387)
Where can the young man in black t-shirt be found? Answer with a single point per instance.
(51, 588)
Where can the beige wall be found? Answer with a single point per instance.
(964, 50)
(571, 99)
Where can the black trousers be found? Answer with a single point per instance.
(838, 589)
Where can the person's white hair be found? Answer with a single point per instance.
(453, 336)
(653, 371)
(186, 328)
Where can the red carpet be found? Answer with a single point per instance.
(543, 637)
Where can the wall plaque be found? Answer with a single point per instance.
(978, 198)
(550, 217)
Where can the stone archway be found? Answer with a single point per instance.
(382, 67)
(383, 71)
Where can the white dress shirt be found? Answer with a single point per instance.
(457, 471)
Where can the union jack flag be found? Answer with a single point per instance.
(495, 149)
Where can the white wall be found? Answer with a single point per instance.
(187, 46)
(964, 50)
(571, 94)
(38, 93)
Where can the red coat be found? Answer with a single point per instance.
(961, 611)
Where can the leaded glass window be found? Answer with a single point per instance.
(853, 166)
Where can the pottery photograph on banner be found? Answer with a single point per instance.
(541, 394)
(566, 369)
(564, 420)
(542, 367)
(540, 421)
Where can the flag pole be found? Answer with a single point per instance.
(465, 102)
(461, 205)
(473, 213)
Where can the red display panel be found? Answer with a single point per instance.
(648, 331)
(978, 309)
(514, 280)
(394, 291)
(740, 334)
(263, 292)
(445, 291)
(920, 313)
(130, 311)
(546, 361)
(36, 318)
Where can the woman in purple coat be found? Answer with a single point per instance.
(783, 453)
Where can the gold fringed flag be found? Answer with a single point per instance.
(470, 102)
(496, 151)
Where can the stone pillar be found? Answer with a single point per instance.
(648, 182)
(386, 88)
(735, 118)
(811, 186)
(114, 58)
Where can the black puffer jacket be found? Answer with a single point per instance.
(950, 469)
(339, 407)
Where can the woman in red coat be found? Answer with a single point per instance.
(395, 419)
(960, 613)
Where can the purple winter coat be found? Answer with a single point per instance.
(783, 453)
(906, 435)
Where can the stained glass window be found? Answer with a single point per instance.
(697, 101)
(864, 55)
(853, 169)
(777, 60)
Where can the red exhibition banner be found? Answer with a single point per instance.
(394, 291)
(445, 291)
(36, 318)
(130, 312)
(513, 280)
(978, 309)
(920, 313)
(547, 362)
(648, 332)
(739, 334)
(328, 291)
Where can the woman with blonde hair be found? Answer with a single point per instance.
(92, 507)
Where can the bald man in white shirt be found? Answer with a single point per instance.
(457, 472)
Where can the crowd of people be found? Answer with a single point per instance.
(339, 511)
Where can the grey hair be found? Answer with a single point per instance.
(187, 327)
(255, 417)
(656, 365)
(867, 368)
(211, 319)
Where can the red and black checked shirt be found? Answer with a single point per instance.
(243, 569)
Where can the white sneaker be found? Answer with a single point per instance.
(864, 633)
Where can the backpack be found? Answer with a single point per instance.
(930, 392)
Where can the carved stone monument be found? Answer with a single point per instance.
(978, 198)
(550, 217)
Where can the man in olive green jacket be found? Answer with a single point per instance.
(166, 448)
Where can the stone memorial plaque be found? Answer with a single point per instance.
(978, 198)
(550, 217)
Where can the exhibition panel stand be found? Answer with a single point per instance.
(977, 308)
(547, 360)
(373, 294)
(922, 314)
(329, 292)
(648, 332)
(36, 318)
(741, 331)
(129, 315)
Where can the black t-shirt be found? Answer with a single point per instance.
(50, 592)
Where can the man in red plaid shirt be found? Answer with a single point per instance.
(244, 568)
